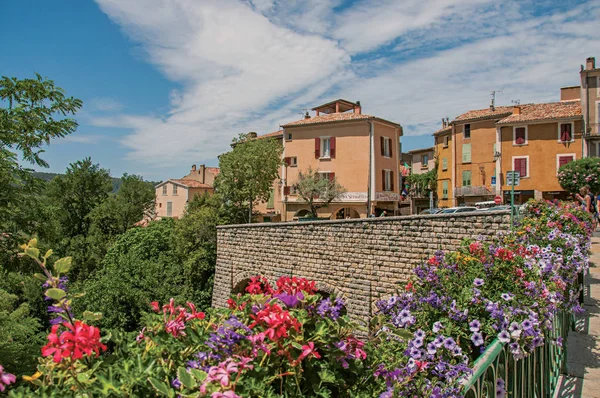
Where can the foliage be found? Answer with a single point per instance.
(422, 184)
(317, 191)
(580, 173)
(247, 173)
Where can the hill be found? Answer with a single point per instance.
(50, 176)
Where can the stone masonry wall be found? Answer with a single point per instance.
(361, 260)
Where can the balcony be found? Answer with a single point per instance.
(473, 191)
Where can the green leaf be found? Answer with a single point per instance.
(160, 387)
(48, 253)
(92, 316)
(40, 277)
(327, 376)
(63, 265)
(56, 294)
(186, 378)
(32, 252)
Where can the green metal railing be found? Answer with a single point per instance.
(534, 376)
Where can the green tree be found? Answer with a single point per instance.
(317, 190)
(580, 173)
(247, 173)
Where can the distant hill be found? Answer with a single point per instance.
(50, 176)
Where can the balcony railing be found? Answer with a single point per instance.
(473, 191)
(536, 375)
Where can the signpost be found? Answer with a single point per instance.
(512, 179)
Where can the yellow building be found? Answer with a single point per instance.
(444, 163)
(590, 105)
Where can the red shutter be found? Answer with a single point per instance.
(517, 165)
(392, 180)
(565, 132)
(317, 148)
(287, 161)
(562, 160)
(332, 147)
(286, 191)
(523, 167)
(382, 145)
(391, 152)
(331, 176)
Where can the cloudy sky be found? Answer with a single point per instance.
(168, 83)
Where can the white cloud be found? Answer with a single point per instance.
(101, 104)
(80, 138)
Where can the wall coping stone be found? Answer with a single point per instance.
(369, 220)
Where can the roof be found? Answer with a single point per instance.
(546, 111)
(482, 114)
(329, 107)
(186, 183)
(274, 134)
(421, 150)
(213, 170)
(443, 130)
(336, 117)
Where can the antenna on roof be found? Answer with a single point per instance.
(304, 112)
(516, 102)
(493, 104)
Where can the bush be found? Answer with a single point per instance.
(580, 173)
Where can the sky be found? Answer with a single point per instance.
(169, 83)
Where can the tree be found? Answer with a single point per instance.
(580, 173)
(247, 173)
(317, 190)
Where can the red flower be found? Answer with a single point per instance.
(155, 306)
(309, 350)
(259, 285)
(409, 287)
(294, 285)
(277, 321)
(433, 261)
(504, 254)
(77, 340)
(194, 314)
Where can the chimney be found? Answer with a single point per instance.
(252, 134)
(193, 167)
(358, 108)
(570, 93)
(590, 63)
(202, 173)
(516, 110)
(307, 116)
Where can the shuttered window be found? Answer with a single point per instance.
(165, 189)
(520, 165)
(466, 153)
(466, 178)
(169, 209)
(564, 159)
(520, 134)
(566, 135)
(445, 164)
(467, 131)
(444, 189)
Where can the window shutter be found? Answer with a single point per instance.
(271, 202)
(392, 180)
(391, 152)
(524, 167)
(383, 180)
(445, 189)
(332, 147)
(381, 139)
(287, 161)
(466, 153)
(317, 147)
(331, 176)
(286, 191)
(563, 160)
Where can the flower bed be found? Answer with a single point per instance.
(289, 340)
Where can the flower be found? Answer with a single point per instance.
(176, 383)
(77, 340)
(478, 282)
(504, 337)
(474, 325)
(477, 339)
(437, 326)
(309, 350)
(5, 379)
(155, 306)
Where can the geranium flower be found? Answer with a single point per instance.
(5, 378)
(309, 350)
(77, 340)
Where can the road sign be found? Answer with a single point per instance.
(494, 180)
(497, 200)
(513, 178)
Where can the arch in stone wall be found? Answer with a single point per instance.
(241, 280)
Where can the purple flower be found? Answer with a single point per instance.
(176, 383)
(474, 325)
(477, 339)
(431, 349)
(503, 336)
(290, 300)
(478, 282)
(506, 296)
(449, 343)
(527, 324)
(437, 326)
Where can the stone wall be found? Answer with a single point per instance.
(361, 260)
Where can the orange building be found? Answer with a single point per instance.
(173, 195)
(444, 161)
(360, 151)
(535, 140)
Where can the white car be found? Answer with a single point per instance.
(461, 209)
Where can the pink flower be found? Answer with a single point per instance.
(5, 379)
(308, 350)
(226, 394)
(155, 306)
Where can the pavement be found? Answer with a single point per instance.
(583, 346)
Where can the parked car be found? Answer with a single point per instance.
(431, 211)
(461, 209)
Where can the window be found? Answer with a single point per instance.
(520, 135)
(325, 147)
(565, 132)
(293, 161)
(174, 189)
(445, 164)
(165, 189)
(169, 209)
(388, 180)
(425, 161)
(386, 147)
(327, 174)
(563, 159)
(466, 153)
(444, 189)
(467, 131)
(466, 178)
(289, 136)
(446, 141)
(271, 202)
(521, 164)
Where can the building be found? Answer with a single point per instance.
(423, 161)
(590, 106)
(443, 154)
(361, 151)
(173, 195)
(272, 210)
(535, 140)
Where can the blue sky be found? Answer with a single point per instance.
(168, 83)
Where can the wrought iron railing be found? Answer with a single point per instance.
(536, 375)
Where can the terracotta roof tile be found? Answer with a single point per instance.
(213, 170)
(191, 183)
(275, 134)
(419, 150)
(334, 117)
(547, 111)
(487, 113)
(443, 130)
